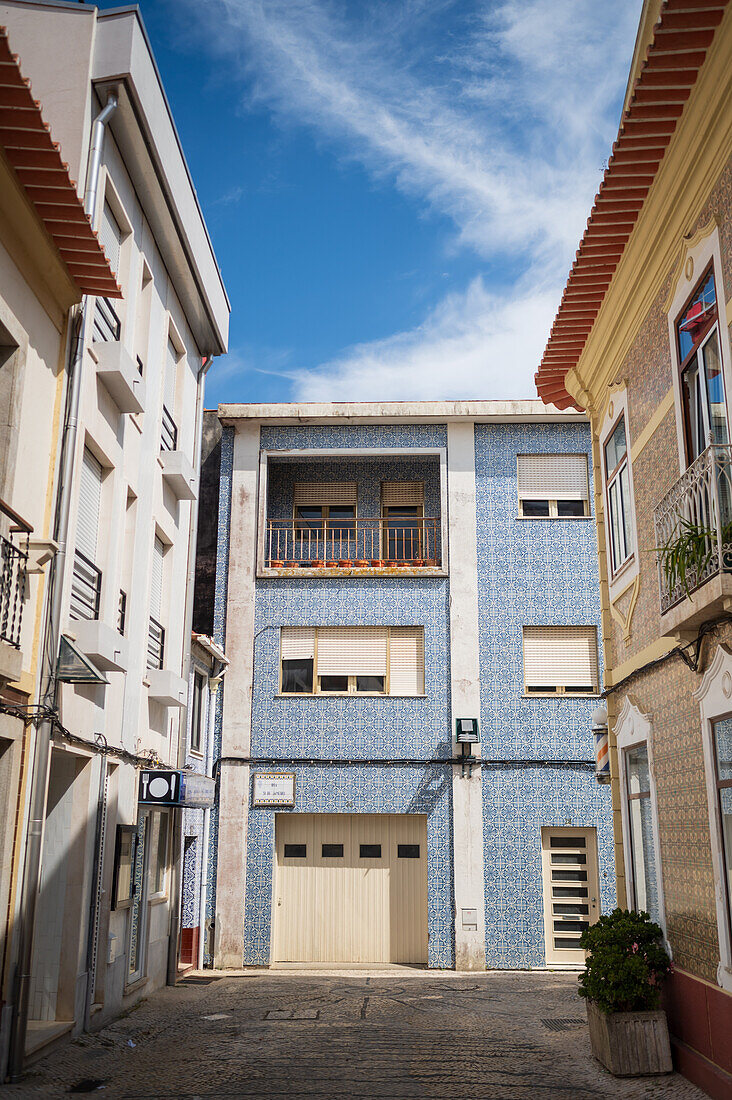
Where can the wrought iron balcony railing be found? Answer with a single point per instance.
(353, 542)
(13, 566)
(694, 526)
(169, 433)
(107, 325)
(86, 588)
(155, 644)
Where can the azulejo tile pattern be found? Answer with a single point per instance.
(359, 435)
(530, 573)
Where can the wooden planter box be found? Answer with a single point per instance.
(630, 1044)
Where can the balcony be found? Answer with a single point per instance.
(360, 544)
(107, 325)
(693, 526)
(86, 588)
(13, 568)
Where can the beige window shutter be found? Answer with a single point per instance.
(316, 493)
(406, 661)
(553, 477)
(352, 650)
(297, 642)
(110, 238)
(156, 578)
(560, 656)
(90, 496)
(402, 493)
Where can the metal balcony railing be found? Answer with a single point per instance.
(13, 566)
(358, 542)
(122, 612)
(694, 526)
(86, 588)
(169, 433)
(155, 644)
(107, 325)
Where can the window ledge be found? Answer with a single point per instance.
(342, 695)
(157, 899)
(553, 519)
(560, 695)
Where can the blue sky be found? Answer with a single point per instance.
(394, 188)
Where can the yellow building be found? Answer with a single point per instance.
(641, 341)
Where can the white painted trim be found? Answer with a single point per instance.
(715, 703)
(706, 251)
(631, 729)
(531, 411)
(620, 580)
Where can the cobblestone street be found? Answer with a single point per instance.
(349, 1034)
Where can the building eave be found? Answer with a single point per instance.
(399, 412)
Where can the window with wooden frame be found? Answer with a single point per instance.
(197, 709)
(703, 396)
(617, 488)
(352, 660)
(402, 514)
(324, 517)
(560, 660)
(553, 486)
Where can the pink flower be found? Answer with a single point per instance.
(635, 948)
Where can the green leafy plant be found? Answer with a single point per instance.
(684, 560)
(626, 962)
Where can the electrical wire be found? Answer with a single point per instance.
(400, 761)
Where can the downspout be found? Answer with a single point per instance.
(213, 686)
(176, 876)
(49, 685)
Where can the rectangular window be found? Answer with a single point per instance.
(370, 851)
(156, 631)
(402, 511)
(553, 486)
(158, 851)
(560, 660)
(618, 496)
(296, 851)
(199, 684)
(356, 660)
(722, 735)
(700, 364)
(86, 584)
(324, 519)
(332, 851)
(640, 824)
(407, 851)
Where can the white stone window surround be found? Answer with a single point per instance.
(696, 259)
(632, 729)
(347, 453)
(108, 195)
(620, 580)
(715, 703)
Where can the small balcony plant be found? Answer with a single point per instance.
(626, 965)
(685, 559)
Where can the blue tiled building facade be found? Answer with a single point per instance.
(383, 755)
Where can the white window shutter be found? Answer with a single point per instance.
(553, 477)
(352, 650)
(90, 495)
(156, 581)
(396, 494)
(171, 372)
(560, 656)
(297, 642)
(406, 661)
(317, 493)
(110, 238)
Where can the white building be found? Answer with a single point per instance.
(101, 939)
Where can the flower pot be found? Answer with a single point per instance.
(276, 564)
(418, 562)
(361, 563)
(429, 562)
(331, 565)
(376, 563)
(630, 1044)
(345, 563)
(316, 564)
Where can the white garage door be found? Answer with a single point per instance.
(350, 888)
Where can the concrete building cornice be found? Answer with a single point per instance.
(399, 412)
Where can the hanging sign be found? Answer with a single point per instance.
(274, 789)
(175, 788)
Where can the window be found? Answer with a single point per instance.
(86, 584)
(618, 495)
(722, 738)
(700, 364)
(325, 518)
(640, 829)
(407, 851)
(553, 486)
(332, 851)
(560, 660)
(156, 632)
(402, 511)
(296, 851)
(122, 875)
(356, 660)
(199, 684)
(369, 851)
(158, 841)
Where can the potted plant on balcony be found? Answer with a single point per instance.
(685, 559)
(625, 968)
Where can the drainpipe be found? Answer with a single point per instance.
(213, 687)
(49, 685)
(176, 875)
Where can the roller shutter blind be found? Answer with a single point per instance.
(156, 581)
(560, 656)
(553, 477)
(406, 661)
(352, 651)
(90, 495)
(402, 493)
(171, 371)
(316, 493)
(297, 642)
(110, 238)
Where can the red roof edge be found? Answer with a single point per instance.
(669, 71)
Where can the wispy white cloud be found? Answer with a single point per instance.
(502, 127)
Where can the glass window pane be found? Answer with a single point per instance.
(697, 315)
(716, 406)
(693, 409)
(615, 448)
(297, 675)
(334, 683)
(637, 770)
(725, 808)
(370, 683)
(158, 840)
(570, 507)
(624, 490)
(535, 508)
(640, 823)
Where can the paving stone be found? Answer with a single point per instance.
(431, 1035)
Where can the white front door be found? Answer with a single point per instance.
(571, 891)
